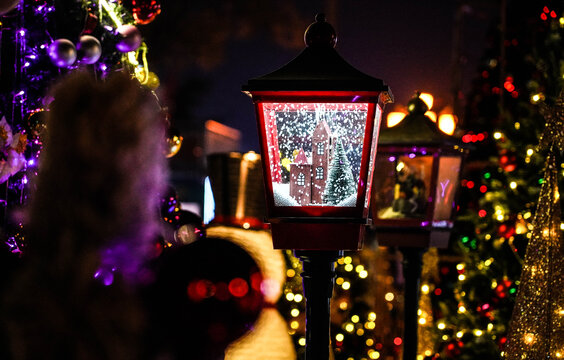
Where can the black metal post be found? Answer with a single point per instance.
(318, 276)
(412, 262)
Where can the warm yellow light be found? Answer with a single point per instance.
(369, 342)
(425, 289)
(298, 298)
(497, 135)
(427, 99)
(394, 118)
(461, 277)
(500, 217)
(441, 326)
(488, 262)
(444, 337)
(517, 125)
(359, 268)
(447, 123)
(290, 296)
(374, 354)
(389, 296)
(290, 273)
(460, 266)
(422, 321)
(372, 316)
(513, 185)
(295, 312)
(251, 156)
(302, 341)
(431, 115)
(339, 337)
(561, 21)
(459, 334)
(359, 332)
(478, 332)
(527, 215)
(400, 166)
(339, 281)
(530, 152)
(348, 260)
(363, 274)
(349, 267)
(346, 285)
(343, 305)
(349, 327)
(370, 325)
(294, 324)
(490, 326)
(461, 309)
(535, 98)
(355, 318)
(428, 353)
(529, 338)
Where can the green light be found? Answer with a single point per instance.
(473, 244)
(512, 290)
(465, 239)
(487, 175)
(541, 181)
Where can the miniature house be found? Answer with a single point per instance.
(308, 179)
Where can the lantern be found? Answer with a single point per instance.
(413, 201)
(318, 120)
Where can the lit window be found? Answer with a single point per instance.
(319, 173)
(301, 179)
(320, 148)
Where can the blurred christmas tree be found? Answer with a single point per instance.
(522, 68)
(41, 41)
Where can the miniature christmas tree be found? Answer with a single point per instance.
(340, 182)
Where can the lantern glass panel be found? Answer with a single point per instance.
(403, 190)
(315, 152)
(447, 183)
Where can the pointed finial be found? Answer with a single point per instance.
(320, 33)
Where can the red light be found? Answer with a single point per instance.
(379, 346)
(483, 188)
(238, 287)
(481, 137)
(470, 184)
(398, 341)
(485, 74)
(482, 213)
(543, 16)
(503, 160)
(463, 182)
(467, 138)
(509, 86)
(509, 79)
(486, 306)
(495, 90)
(474, 138)
(545, 9)
(553, 14)
(515, 42)
(256, 281)
(515, 94)
(438, 292)
(450, 346)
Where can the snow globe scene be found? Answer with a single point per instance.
(315, 152)
(405, 188)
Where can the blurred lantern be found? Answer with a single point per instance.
(414, 198)
(236, 182)
(7, 5)
(318, 119)
(415, 187)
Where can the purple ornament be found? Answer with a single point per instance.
(62, 53)
(129, 38)
(89, 49)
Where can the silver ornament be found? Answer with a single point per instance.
(89, 49)
(62, 53)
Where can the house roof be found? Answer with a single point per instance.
(301, 158)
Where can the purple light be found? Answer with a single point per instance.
(21, 93)
(355, 98)
(22, 32)
(27, 64)
(32, 56)
(24, 180)
(109, 28)
(392, 159)
(103, 67)
(424, 223)
(411, 156)
(31, 162)
(423, 152)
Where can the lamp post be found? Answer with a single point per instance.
(414, 198)
(318, 119)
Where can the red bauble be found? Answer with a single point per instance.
(145, 11)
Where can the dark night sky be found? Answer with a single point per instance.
(406, 43)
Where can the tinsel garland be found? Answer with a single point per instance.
(537, 324)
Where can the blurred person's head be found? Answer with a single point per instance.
(93, 215)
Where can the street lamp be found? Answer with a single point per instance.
(318, 119)
(413, 202)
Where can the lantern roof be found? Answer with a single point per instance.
(416, 129)
(318, 68)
